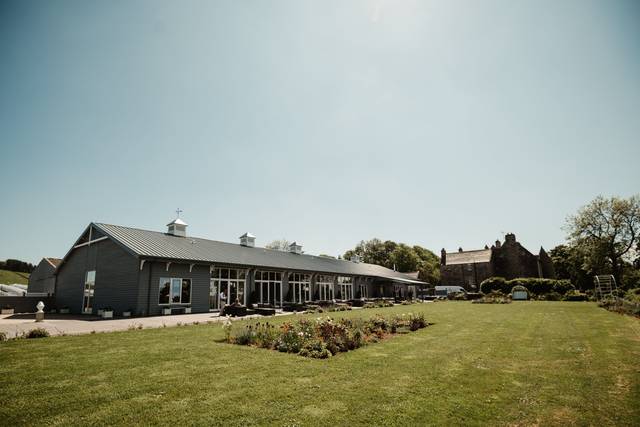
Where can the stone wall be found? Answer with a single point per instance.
(468, 276)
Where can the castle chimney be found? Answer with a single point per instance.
(498, 244)
(443, 257)
(460, 249)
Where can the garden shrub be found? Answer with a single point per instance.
(535, 286)
(379, 304)
(630, 304)
(574, 295)
(3, 336)
(37, 333)
(551, 296)
(495, 284)
(494, 297)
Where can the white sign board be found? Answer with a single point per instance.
(519, 295)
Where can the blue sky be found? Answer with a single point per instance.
(439, 123)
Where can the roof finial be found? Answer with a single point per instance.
(178, 212)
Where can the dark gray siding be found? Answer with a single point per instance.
(200, 280)
(116, 278)
(71, 274)
(42, 278)
(143, 289)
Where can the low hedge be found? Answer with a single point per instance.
(535, 286)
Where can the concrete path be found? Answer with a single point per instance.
(67, 324)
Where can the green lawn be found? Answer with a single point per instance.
(544, 363)
(11, 277)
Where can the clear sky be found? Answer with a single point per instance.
(439, 123)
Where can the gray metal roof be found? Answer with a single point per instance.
(468, 257)
(153, 244)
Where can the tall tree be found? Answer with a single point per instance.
(608, 231)
(569, 263)
(280, 245)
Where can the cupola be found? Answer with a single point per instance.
(295, 248)
(177, 227)
(248, 240)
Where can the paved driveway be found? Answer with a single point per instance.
(59, 324)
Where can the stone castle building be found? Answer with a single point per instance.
(509, 260)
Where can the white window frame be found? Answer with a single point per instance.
(345, 285)
(216, 276)
(269, 283)
(171, 279)
(364, 290)
(325, 287)
(300, 285)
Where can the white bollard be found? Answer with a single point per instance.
(40, 313)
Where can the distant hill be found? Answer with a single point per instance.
(10, 277)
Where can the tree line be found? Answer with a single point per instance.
(400, 257)
(17, 265)
(603, 237)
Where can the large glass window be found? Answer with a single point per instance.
(89, 288)
(269, 286)
(345, 288)
(174, 290)
(230, 282)
(325, 287)
(300, 287)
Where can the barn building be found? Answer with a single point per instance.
(509, 260)
(42, 279)
(150, 273)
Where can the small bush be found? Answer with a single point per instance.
(495, 297)
(574, 295)
(37, 333)
(495, 284)
(3, 336)
(551, 296)
(473, 295)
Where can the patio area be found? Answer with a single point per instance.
(68, 324)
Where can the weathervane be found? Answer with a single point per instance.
(178, 212)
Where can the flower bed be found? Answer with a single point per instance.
(324, 336)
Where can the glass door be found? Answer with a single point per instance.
(214, 296)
